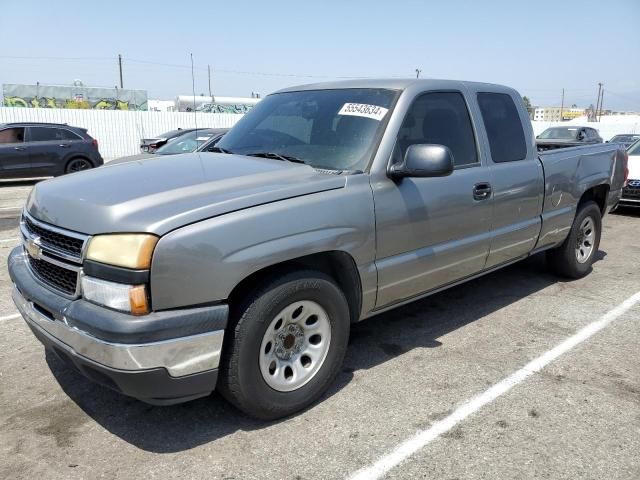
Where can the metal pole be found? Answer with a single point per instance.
(209, 72)
(562, 105)
(193, 87)
(598, 101)
(120, 67)
(601, 103)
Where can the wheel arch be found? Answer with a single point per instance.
(337, 264)
(597, 194)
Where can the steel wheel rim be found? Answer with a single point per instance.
(79, 165)
(295, 346)
(586, 240)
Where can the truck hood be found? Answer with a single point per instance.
(157, 195)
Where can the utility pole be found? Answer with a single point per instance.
(209, 72)
(562, 104)
(418, 72)
(601, 103)
(120, 67)
(598, 100)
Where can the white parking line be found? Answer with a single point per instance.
(422, 438)
(9, 317)
(7, 240)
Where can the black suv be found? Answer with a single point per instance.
(45, 150)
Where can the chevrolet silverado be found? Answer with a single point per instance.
(241, 270)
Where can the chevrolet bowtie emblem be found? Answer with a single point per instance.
(33, 247)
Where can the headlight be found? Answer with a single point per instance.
(129, 250)
(126, 298)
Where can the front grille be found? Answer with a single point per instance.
(632, 190)
(58, 277)
(65, 243)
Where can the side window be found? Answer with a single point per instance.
(63, 134)
(12, 135)
(440, 118)
(43, 134)
(503, 126)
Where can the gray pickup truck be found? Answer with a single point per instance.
(241, 270)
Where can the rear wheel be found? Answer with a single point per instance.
(575, 256)
(286, 345)
(78, 165)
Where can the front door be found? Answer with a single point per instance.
(433, 231)
(14, 158)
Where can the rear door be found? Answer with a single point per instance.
(433, 231)
(48, 148)
(516, 176)
(14, 158)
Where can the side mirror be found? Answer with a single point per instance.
(581, 136)
(424, 160)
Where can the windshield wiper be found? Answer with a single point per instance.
(218, 150)
(276, 156)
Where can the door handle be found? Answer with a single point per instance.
(18, 148)
(64, 145)
(481, 191)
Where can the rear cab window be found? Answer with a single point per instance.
(503, 126)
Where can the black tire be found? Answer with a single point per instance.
(563, 260)
(78, 164)
(241, 381)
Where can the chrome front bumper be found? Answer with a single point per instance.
(180, 356)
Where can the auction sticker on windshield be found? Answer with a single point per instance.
(363, 110)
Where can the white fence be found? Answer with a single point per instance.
(119, 132)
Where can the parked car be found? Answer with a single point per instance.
(631, 192)
(187, 143)
(243, 270)
(209, 145)
(150, 145)
(570, 136)
(45, 150)
(625, 140)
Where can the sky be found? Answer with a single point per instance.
(538, 47)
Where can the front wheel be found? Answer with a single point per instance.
(286, 345)
(573, 259)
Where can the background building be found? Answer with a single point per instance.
(556, 114)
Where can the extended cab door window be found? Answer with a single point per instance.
(439, 118)
(504, 127)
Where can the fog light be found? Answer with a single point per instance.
(126, 298)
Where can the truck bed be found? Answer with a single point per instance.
(568, 173)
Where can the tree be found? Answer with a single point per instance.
(573, 105)
(527, 104)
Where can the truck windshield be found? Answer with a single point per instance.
(561, 133)
(330, 129)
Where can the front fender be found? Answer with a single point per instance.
(202, 263)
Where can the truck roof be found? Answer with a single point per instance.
(392, 83)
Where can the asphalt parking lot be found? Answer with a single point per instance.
(406, 370)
